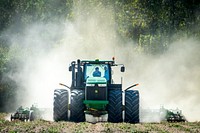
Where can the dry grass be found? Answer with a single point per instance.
(42, 126)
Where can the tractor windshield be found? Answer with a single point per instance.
(96, 70)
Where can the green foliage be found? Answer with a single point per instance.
(166, 20)
(9, 58)
(162, 21)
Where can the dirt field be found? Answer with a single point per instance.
(84, 127)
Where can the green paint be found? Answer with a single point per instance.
(96, 104)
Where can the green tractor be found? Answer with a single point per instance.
(26, 114)
(94, 97)
(173, 115)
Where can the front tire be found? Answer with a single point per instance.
(115, 106)
(77, 106)
(60, 108)
(132, 106)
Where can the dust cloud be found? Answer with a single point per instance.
(170, 79)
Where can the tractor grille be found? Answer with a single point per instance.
(96, 93)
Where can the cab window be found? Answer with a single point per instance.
(96, 70)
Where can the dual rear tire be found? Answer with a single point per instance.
(61, 102)
(115, 107)
(60, 108)
(77, 106)
(131, 106)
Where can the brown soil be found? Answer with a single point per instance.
(39, 126)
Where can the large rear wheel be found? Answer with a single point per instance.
(115, 106)
(77, 106)
(132, 106)
(60, 109)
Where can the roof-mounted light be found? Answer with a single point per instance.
(97, 60)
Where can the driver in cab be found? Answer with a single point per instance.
(97, 73)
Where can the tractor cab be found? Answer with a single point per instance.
(99, 70)
(96, 70)
(90, 70)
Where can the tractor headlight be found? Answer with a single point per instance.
(90, 85)
(102, 85)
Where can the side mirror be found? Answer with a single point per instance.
(70, 68)
(122, 69)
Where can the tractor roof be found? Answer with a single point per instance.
(97, 61)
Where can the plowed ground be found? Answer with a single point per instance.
(84, 127)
